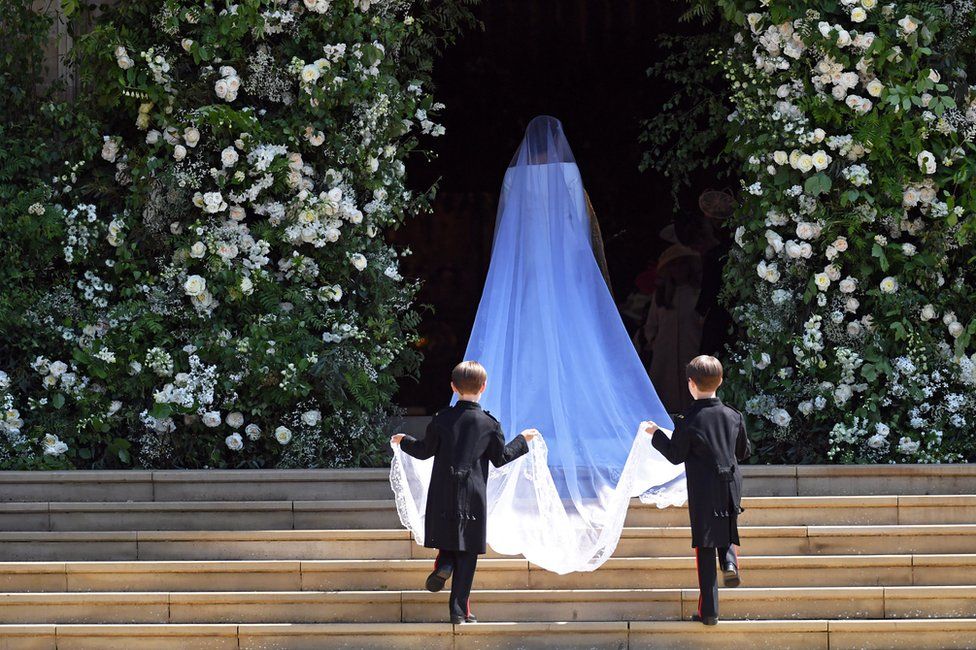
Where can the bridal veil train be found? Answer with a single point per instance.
(559, 360)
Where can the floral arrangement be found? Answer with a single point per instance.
(851, 277)
(220, 293)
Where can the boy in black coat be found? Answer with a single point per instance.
(709, 439)
(462, 439)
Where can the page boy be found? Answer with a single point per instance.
(462, 439)
(709, 439)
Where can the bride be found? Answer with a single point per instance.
(559, 360)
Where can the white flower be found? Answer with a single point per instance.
(875, 88)
(821, 159)
(213, 202)
(310, 73)
(926, 161)
(840, 244)
(152, 137)
(780, 157)
(869, 4)
(934, 76)
(854, 328)
(58, 368)
(763, 362)
(858, 15)
(807, 230)
(283, 435)
(848, 285)
(907, 446)
(211, 419)
(877, 441)
(908, 250)
(948, 317)
(52, 446)
(125, 62)
(195, 285)
(804, 163)
(822, 280)
(110, 149)
(889, 285)
(229, 157)
(311, 418)
(768, 272)
(252, 431)
(235, 419)
(191, 136)
(179, 152)
(908, 24)
(358, 260)
(780, 417)
(956, 329)
(928, 312)
(805, 407)
(198, 250)
(234, 442)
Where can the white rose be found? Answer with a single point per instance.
(804, 163)
(229, 157)
(153, 137)
(191, 136)
(780, 417)
(910, 197)
(840, 244)
(858, 15)
(869, 4)
(311, 418)
(187, 44)
(908, 250)
(235, 419)
(848, 285)
(934, 76)
(928, 312)
(764, 360)
(195, 285)
(236, 212)
(956, 329)
(179, 152)
(926, 161)
(358, 260)
(246, 286)
(110, 149)
(283, 435)
(58, 368)
(316, 139)
(889, 285)
(875, 87)
(252, 431)
(908, 24)
(877, 441)
(125, 62)
(821, 159)
(780, 157)
(212, 419)
(843, 38)
(794, 250)
(822, 280)
(198, 250)
(833, 272)
(854, 329)
(222, 88)
(234, 442)
(310, 73)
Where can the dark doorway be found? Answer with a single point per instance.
(582, 61)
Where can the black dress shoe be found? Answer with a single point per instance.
(730, 576)
(436, 580)
(708, 620)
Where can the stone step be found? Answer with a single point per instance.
(397, 544)
(493, 605)
(908, 634)
(372, 514)
(312, 485)
(369, 575)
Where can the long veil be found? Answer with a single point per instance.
(559, 360)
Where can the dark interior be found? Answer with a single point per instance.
(583, 61)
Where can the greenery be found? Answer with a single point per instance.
(196, 272)
(852, 277)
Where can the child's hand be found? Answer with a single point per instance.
(397, 438)
(651, 428)
(529, 434)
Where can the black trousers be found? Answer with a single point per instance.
(463, 564)
(705, 557)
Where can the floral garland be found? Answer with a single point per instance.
(851, 275)
(225, 297)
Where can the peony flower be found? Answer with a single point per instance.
(235, 420)
(889, 285)
(229, 157)
(211, 419)
(195, 285)
(283, 435)
(875, 88)
(191, 136)
(926, 161)
(312, 418)
(234, 442)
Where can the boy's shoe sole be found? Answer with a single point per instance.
(730, 577)
(436, 580)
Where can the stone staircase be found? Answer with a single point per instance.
(832, 557)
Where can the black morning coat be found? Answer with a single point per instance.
(710, 439)
(462, 439)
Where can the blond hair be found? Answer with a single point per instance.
(706, 372)
(469, 377)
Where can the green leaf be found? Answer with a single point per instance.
(819, 183)
(57, 400)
